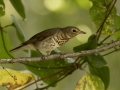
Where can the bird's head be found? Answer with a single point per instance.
(72, 31)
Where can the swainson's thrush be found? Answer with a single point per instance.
(49, 39)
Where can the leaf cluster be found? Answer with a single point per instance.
(103, 14)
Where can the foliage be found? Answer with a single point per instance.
(2, 8)
(103, 14)
(18, 7)
(90, 82)
(5, 45)
(18, 79)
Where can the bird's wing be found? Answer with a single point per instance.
(42, 35)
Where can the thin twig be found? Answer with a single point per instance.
(3, 41)
(50, 76)
(100, 30)
(108, 37)
(5, 48)
(111, 52)
(65, 55)
(66, 70)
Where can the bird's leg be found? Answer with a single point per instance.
(40, 52)
(48, 53)
(42, 55)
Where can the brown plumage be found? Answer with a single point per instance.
(49, 39)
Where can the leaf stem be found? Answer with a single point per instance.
(108, 37)
(101, 26)
(3, 41)
(61, 71)
(110, 52)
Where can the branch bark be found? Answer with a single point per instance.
(59, 55)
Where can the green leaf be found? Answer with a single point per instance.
(117, 34)
(46, 68)
(6, 41)
(96, 61)
(98, 12)
(2, 3)
(2, 8)
(90, 82)
(19, 30)
(117, 21)
(18, 5)
(102, 73)
(91, 44)
(19, 34)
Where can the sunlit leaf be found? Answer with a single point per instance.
(2, 8)
(90, 82)
(98, 12)
(19, 79)
(102, 73)
(18, 5)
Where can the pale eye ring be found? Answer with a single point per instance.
(74, 30)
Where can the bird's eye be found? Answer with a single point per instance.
(74, 30)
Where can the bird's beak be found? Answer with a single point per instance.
(83, 32)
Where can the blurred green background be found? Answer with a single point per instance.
(44, 14)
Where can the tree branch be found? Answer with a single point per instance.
(59, 55)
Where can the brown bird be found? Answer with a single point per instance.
(49, 39)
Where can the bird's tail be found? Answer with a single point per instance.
(17, 48)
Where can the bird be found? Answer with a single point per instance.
(49, 39)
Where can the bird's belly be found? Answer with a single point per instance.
(47, 45)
